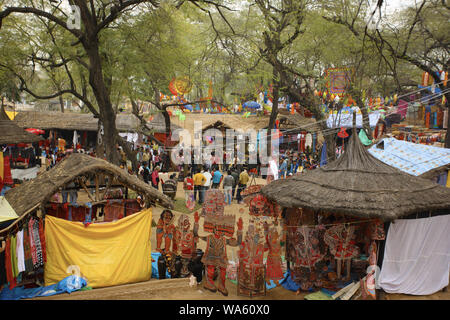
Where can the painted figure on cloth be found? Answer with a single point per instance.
(274, 267)
(341, 240)
(220, 226)
(165, 230)
(185, 244)
(251, 264)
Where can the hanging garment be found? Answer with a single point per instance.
(20, 252)
(308, 140)
(14, 267)
(417, 256)
(37, 239)
(8, 265)
(42, 238)
(27, 250)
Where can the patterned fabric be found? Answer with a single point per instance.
(340, 239)
(411, 158)
(42, 238)
(27, 250)
(251, 264)
(306, 246)
(376, 230)
(274, 268)
(37, 240)
(216, 252)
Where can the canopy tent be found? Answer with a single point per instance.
(251, 105)
(360, 185)
(412, 158)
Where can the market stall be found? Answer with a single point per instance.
(334, 214)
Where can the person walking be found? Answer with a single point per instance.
(216, 179)
(188, 186)
(228, 183)
(243, 180)
(235, 175)
(208, 177)
(155, 178)
(199, 182)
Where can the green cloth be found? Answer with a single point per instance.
(319, 295)
(363, 137)
(14, 264)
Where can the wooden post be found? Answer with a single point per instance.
(87, 191)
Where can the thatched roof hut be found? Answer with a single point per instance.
(360, 185)
(83, 121)
(45, 185)
(11, 133)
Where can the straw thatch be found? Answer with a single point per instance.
(45, 185)
(358, 184)
(83, 121)
(10, 133)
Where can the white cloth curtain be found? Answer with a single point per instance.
(417, 256)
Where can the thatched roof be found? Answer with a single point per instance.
(11, 133)
(83, 121)
(45, 185)
(360, 185)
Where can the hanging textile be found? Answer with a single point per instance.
(417, 256)
(308, 140)
(8, 265)
(14, 267)
(107, 254)
(7, 177)
(42, 238)
(340, 239)
(113, 210)
(20, 252)
(27, 250)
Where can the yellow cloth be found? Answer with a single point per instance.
(448, 179)
(243, 177)
(199, 179)
(107, 254)
(11, 114)
(6, 211)
(2, 169)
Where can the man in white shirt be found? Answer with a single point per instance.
(208, 177)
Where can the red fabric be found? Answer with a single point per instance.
(8, 266)
(131, 207)
(42, 238)
(7, 177)
(113, 211)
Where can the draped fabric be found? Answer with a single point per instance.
(417, 256)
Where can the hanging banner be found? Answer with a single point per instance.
(338, 80)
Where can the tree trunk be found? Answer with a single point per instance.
(274, 112)
(61, 103)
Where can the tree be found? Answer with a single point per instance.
(417, 39)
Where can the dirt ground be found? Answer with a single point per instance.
(177, 289)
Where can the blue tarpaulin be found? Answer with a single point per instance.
(69, 284)
(412, 158)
